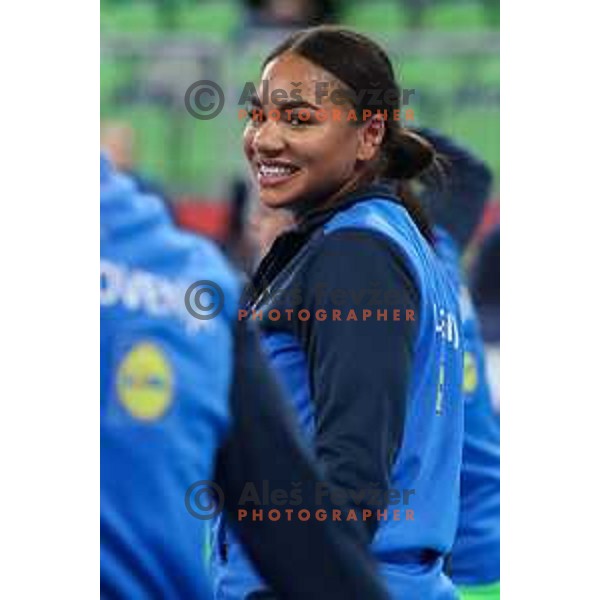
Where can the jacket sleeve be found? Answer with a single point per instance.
(297, 559)
(359, 369)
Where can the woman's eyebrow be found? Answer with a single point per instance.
(292, 104)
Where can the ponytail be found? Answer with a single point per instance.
(405, 156)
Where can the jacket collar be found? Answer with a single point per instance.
(318, 217)
(288, 244)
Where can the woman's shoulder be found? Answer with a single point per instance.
(377, 214)
(354, 257)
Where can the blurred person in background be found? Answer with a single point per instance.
(379, 402)
(456, 208)
(183, 400)
(485, 287)
(266, 224)
(415, 10)
(117, 140)
(237, 245)
(289, 13)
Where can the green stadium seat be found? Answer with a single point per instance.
(134, 18)
(377, 15)
(217, 20)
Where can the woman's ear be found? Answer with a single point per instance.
(371, 138)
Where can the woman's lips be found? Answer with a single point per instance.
(270, 175)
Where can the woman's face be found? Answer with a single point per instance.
(299, 163)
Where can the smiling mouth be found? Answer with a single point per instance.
(275, 173)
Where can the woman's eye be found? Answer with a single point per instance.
(295, 120)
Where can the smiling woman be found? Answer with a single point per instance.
(379, 401)
(287, 155)
(332, 117)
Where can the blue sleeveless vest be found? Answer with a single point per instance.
(429, 460)
(476, 552)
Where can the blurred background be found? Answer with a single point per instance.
(153, 50)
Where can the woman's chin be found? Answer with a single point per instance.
(277, 199)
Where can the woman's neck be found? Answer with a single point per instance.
(357, 181)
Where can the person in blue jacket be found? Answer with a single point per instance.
(484, 283)
(358, 317)
(456, 208)
(188, 407)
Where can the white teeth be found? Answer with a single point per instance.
(275, 171)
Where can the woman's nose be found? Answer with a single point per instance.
(268, 138)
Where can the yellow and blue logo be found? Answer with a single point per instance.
(469, 373)
(145, 382)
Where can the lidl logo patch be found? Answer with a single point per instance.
(145, 382)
